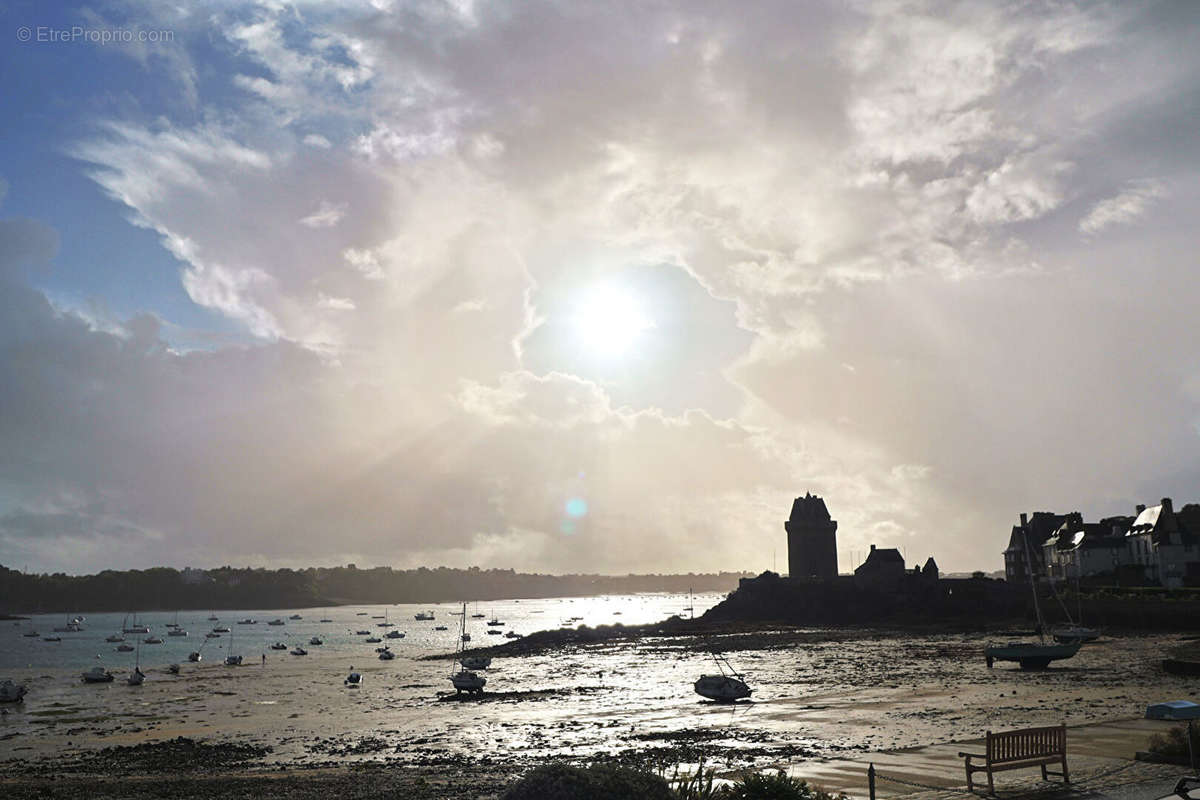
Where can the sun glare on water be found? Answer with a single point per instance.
(609, 321)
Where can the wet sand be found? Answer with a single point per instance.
(820, 697)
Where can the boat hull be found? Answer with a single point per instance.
(722, 688)
(1031, 656)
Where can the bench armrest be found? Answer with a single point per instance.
(971, 755)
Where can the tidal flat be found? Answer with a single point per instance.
(818, 694)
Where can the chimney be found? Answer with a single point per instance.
(1166, 505)
(1141, 507)
(872, 548)
(1024, 520)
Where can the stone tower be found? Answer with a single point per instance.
(812, 539)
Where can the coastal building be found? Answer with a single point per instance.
(811, 539)
(1159, 546)
(1029, 537)
(884, 568)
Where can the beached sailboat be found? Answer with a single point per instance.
(232, 660)
(385, 654)
(97, 675)
(1031, 655)
(1074, 630)
(12, 692)
(137, 677)
(727, 687)
(423, 616)
(464, 680)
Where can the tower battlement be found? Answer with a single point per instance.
(812, 539)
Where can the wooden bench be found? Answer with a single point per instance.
(1028, 747)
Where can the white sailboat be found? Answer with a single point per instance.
(727, 687)
(464, 680)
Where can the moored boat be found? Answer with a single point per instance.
(97, 675)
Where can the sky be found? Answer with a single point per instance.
(589, 286)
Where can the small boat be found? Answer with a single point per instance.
(466, 637)
(97, 675)
(51, 638)
(125, 648)
(276, 621)
(493, 622)
(70, 627)
(136, 627)
(494, 632)
(464, 680)
(279, 646)
(394, 635)
(373, 640)
(423, 616)
(173, 669)
(295, 616)
(299, 651)
(195, 656)
(12, 692)
(354, 680)
(316, 640)
(324, 619)
(1031, 655)
(31, 634)
(727, 687)
(152, 640)
(386, 655)
(137, 677)
(362, 633)
(440, 628)
(476, 662)
(512, 635)
(478, 616)
(116, 637)
(213, 618)
(212, 635)
(1065, 634)
(231, 660)
(360, 613)
(247, 621)
(221, 629)
(177, 632)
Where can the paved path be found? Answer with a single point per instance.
(1100, 759)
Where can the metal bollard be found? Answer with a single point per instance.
(871, 779)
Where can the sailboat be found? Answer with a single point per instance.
(137, 677)
(464, 680)
(1031, 655)
(175, 629)
(727, 687)
(385, 623)
(136, 627)
(231, 660)
(1073, 631)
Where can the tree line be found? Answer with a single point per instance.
(232, 588)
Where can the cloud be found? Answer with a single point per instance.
(1125, 208)
(326, 216)
(854, 229)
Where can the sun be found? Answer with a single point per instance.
(609, 320)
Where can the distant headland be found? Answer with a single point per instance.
(165, 588)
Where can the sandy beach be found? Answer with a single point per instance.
(820, 697)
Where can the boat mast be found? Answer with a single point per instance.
(1037, 608)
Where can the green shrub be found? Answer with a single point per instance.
(757, 786)
(597, 782)
(1174, 742)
